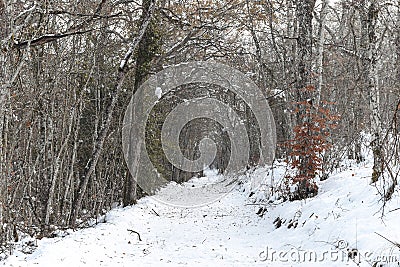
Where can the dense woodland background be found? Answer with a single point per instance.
(69, 68)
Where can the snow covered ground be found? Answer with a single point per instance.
(346, 215)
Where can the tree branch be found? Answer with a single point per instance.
(46, 39)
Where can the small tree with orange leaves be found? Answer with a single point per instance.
(311, 140)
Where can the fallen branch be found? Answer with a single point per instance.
(394, 210)
(132, 231)
(394, 243)
(155, 212)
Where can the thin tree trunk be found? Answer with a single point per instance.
(262, 70)
(72, 162)
(292, 45)
(398, 47)
(321, 41)
(57, 164)
(373, 89)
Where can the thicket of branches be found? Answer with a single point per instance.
(69, 68)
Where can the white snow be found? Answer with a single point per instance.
(158, 92)
(346, 214)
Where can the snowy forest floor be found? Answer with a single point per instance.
(345, 215)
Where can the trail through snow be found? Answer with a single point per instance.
(221, 234)
(345, 215)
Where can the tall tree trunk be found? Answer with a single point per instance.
(304, 11)
(369, 25)
(148, 48)
(363, 91)
(122, 72)
(262, 72)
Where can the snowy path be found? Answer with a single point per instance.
(229, 233)
(222, 234)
